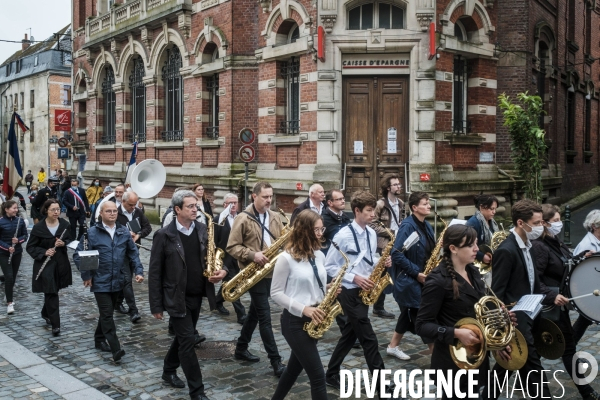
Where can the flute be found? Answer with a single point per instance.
(49, 257)
(13, 246)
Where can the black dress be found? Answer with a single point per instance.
(439, 312)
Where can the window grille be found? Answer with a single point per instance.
(291, 73)
(109, 134)
(173, 96)
(138, 99)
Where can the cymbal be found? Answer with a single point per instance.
(548, 339)
(518, 353)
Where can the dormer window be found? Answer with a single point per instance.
(375, 16)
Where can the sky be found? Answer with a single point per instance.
(44, 17)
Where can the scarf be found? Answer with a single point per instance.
(487, 232)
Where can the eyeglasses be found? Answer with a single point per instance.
(339, 199)
(110, 211)
(191, 206)
(320, 230)
(54, 210)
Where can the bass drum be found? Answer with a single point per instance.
(583, 279)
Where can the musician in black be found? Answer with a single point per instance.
(483, 222)
(333, 215)
(552, 258)
(76, 203)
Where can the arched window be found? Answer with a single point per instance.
(173, 84)
(460, 32)
(294, 34)
(138, 101)
(109, 134)
(375, 15)
(459, 94)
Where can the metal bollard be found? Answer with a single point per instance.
(567, 225)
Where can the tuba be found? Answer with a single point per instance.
(329, 305)
(436, 254)
(214, 255)
(253, 273)
(380, 278)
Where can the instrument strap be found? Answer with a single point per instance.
(314, 267)
(391, 209)
(264, 228)
(565, 262)
(353, 253)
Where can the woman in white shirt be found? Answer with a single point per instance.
(298, 286)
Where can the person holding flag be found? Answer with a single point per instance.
(76, 203)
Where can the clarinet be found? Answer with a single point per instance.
(49, 257)
(13, 246)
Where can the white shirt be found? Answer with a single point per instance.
(226, 213)
(111, 231)
(117, 202)
(345, 240)
(264, 219)
(396, 210)
(294, 285)
(525, 247)
(589, 243)
(183, 229)
(53, 229)
(318, 210)
(127, 214)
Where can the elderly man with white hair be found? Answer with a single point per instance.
(315, 201)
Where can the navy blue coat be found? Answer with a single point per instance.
(69, 201)
(407, 266)
(115, 256)
(474, 223)
(8, 227)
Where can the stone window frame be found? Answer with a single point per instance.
(460, 104)
(353, 5)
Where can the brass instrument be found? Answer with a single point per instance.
(214, 255)
(497, 239)
(288, 226)
(378, 277)
(436, 254)
(253, 273)
(329, 305)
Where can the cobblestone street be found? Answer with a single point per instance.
(146, 343)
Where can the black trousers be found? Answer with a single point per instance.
(406, 323)
(358, 326)
(537, 384)
(579, 328)
(10, 273)
(127, 292)
(106, 329)
(380, 303)
(182, 350)
(51, 309)
(259, 314)
(74, 221)
(239, 308)
(28, 184)
(305, 356)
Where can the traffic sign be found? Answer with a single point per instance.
(247, 136)
(63, 153)
(63, 142)
(247, 153)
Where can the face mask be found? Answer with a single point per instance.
(536, 232)
(96, 183)
(555, 227)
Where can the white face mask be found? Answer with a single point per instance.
(536, 232)
(555, 227)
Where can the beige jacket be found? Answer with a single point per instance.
(244, 239)
(383, 213)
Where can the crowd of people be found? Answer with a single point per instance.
(531, 260)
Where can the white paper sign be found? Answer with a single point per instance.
(73, 245)
(391, 147)
(358, 147)
(392, 133)
(457, 222)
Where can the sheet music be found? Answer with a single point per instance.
(73, 245)
(530, 304)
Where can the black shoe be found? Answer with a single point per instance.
(135, 317)
(383, 314)
(103, 346)
(200, 397)
(47, 320)
(121, 309)
(242, 319)
(222, 310)
(246, 356)
(356, 344)
(198, 338)
(278, 368)
(333, 381)
(118, 355)
(592, 396)
(55, 331)
(172, 380)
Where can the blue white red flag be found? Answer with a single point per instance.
(13, 172)
(132, 162)
(133, 154)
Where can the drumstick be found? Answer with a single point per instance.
(594, 293)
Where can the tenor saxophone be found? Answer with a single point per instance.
(329, 305)
(380, 279)
(436, 254)
(214, 255)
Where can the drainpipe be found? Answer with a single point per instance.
(49, 122)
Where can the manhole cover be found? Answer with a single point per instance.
(215, 350)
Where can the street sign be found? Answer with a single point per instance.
(247, 136)
(63, 152)
(63, 142)
(247, 153)
(62, 120)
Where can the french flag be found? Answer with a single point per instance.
(13, 172)
(132, 162)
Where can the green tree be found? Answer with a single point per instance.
(527, 139)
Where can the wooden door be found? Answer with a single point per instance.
(376, 118)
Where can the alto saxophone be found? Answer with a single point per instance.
(214, 255)
(436, 254)
(253, 273)
(380, 279)
(329, 305)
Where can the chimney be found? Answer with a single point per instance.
(25, 43)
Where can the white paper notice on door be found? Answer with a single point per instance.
(391, 147)
(358, 147)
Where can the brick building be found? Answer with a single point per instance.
(185, 77)
(36, 81)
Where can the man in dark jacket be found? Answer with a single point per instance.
(116, 250)
(176, 284)
(316, 195)
(28, 181)
(134, 219)
(333, 215)
(48, 192)
(76, 203)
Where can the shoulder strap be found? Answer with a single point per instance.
(314, 267)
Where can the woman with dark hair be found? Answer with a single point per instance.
(13, 232)
(483, 222)
(297, 286)
(94, 192)
(203, 204)
(45, 241)
(450, 293)
(551, 257)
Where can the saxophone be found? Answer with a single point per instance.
(214, 255)
(329, 305)
(253, 273)
(379, 278)
(436, 254)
